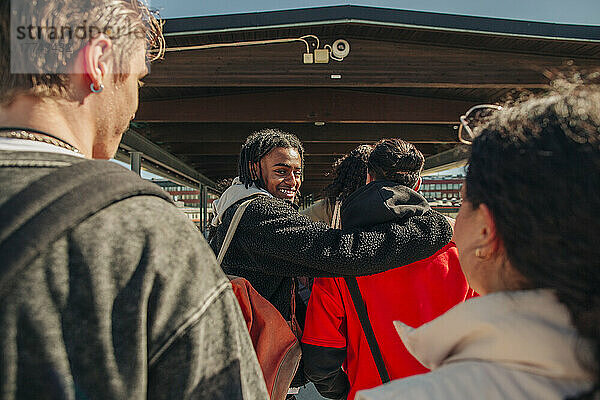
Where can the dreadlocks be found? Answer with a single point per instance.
(258, 145)
(349, 173)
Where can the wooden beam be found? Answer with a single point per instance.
(373, 63)
(165, 133)
(309, 105)
(231, 148)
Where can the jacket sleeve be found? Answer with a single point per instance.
(324, 342)
(199, 343)
(212, 359)
(312, 249)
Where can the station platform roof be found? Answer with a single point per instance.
(409, 74)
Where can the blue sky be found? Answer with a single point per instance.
(585, 12)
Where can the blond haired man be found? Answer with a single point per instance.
(129, 303)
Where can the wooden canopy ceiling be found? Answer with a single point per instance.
(408, 75)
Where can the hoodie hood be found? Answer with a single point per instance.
(234, 193)
(380, 202)
(527, 330)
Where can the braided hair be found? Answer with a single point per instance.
(397, 161)
(349, 173)
(258, 145)
(536, 165)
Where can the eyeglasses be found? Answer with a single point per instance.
(468, 135)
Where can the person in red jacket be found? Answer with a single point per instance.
(337, 358)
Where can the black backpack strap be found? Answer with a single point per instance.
(361, 310)
(43, 211)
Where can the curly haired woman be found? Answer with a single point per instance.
(527, 235)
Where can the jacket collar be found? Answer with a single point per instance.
(234, 193)
(380, 202)
(526, 330)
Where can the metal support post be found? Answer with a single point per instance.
(136, 162)
(200, 207)
(205, 208)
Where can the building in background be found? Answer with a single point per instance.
(188, 200)
(443, 193)
(190, 197)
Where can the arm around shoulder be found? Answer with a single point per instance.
(313, 249)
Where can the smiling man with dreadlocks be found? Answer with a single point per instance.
(273, 243)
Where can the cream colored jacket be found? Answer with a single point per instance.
(324, 211)
(506, 345)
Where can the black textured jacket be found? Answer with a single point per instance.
(274, 243)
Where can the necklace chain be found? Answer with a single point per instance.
(24, 135)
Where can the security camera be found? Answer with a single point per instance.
(340, 48)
